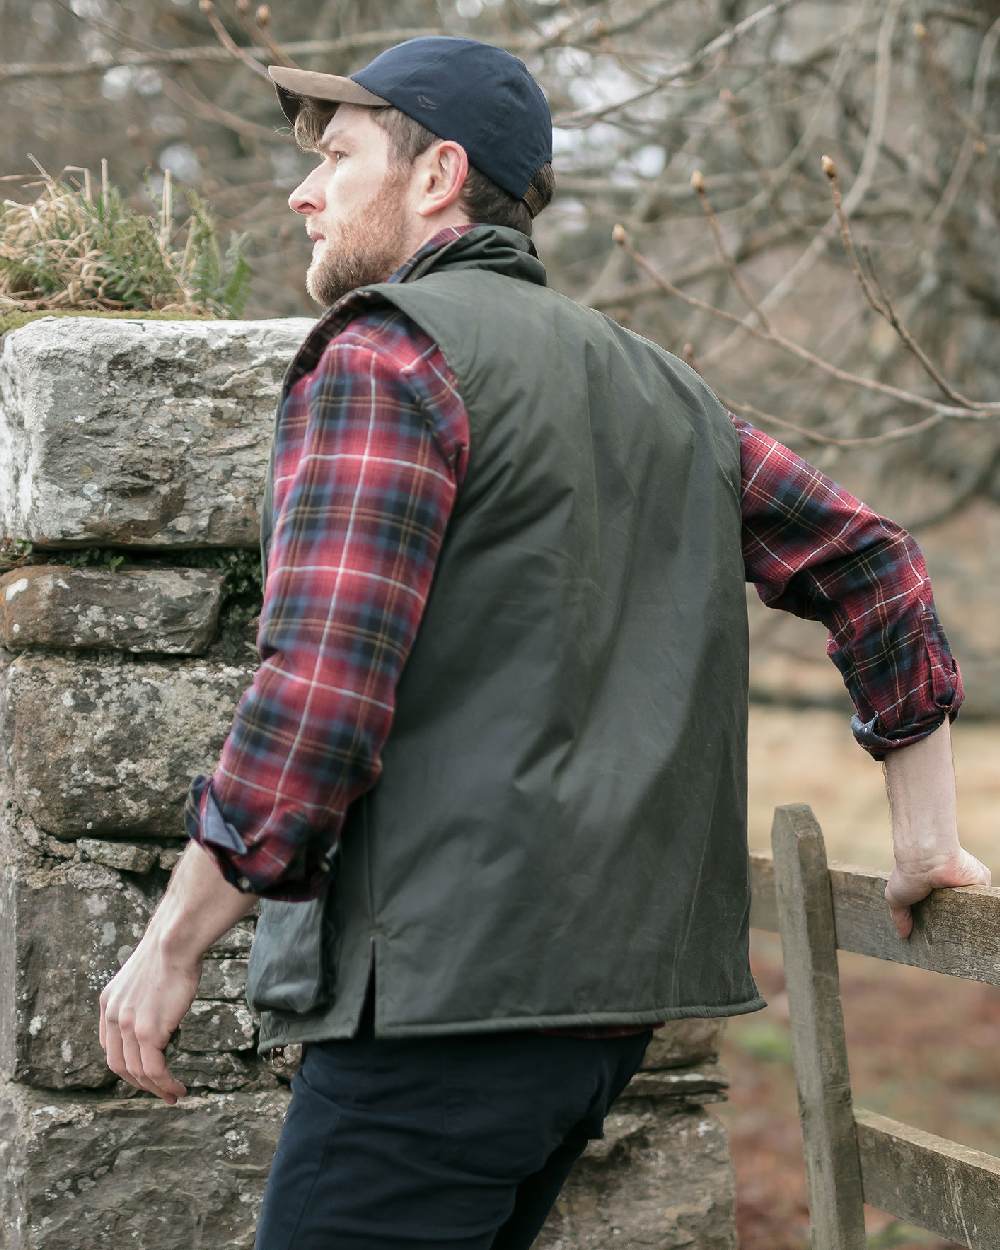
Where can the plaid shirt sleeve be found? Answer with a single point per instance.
(813, 549)
(381, 448)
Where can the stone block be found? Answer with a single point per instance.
(237, 941)
(139, 433)
(224, 979)
(65, 930)
(109, 748)
(125, 856)
(66, 927)
(682, 1042)
(214, 1026)
(135, 1171)
(219, 1070)
(174, 611)
(682, 1087)
(169, 857)
(655, 1180)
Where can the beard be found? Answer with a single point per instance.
(368, 249)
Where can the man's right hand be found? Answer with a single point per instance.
(910, 882)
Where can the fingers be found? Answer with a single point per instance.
(140, 1063)
(156, 1072)
(979, 873)
(133, 1060)
(114, 1051)
(902, 918)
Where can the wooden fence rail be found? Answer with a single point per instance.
(855, 1156)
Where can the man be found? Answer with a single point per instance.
(489, 780)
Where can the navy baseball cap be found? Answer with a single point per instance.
(474, 93)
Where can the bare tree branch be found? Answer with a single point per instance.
(940, 411)
(862, 183)
(582, 117)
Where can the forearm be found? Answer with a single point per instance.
(198, 907)
(359, 522)
(814, 549)
(921, 783)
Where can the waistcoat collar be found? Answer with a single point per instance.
(499, 249)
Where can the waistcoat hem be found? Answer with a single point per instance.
(291, 1032)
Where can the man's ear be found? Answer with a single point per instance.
(443, 170)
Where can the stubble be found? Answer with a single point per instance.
(367, 249)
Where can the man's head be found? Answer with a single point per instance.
(387, 181)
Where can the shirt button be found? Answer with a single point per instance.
(244, 883)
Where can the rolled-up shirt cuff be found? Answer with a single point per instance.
(206, 825)
(879, 745)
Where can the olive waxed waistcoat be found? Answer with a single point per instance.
(558, 834)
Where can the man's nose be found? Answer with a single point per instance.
(307, 196)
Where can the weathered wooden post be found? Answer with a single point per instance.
(819, 1048)
(941, 1185)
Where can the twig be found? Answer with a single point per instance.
(830, 169)
(968, 150)
(768, 237)
(844, 44)
(87, 185)
(166, 209)
(963, 17)
(868, 440)
(764, 175)
(189, 97)
(910, 342)
(228, 42)
(885, 308)
(862, 183)
(939, 77)
(698, 183)
(259, 28)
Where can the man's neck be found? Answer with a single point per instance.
(431, 228)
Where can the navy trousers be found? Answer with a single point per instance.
(459, 1143)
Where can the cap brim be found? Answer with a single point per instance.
(293, 85)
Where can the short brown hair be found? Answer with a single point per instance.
(481, 199)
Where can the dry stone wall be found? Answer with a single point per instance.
(132, 453)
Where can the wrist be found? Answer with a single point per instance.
(936, 840)
(172, 937)
(199, 906)
(917, 862)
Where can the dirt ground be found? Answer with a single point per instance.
(922, 1047)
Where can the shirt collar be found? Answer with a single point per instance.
(437, 241)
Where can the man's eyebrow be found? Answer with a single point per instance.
(328, 141)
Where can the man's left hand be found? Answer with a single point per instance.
(141, 1008)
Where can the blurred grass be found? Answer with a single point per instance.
(82, 247)
(764, 1040)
